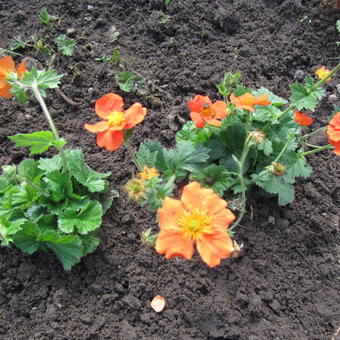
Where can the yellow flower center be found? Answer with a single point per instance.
(148, 173)
(116, 119)
(322, 73)
(195, 224)
(207, 111)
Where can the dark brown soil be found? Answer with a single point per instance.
(286, 283)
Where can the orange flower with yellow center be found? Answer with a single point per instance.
(148, 173)
(7, 66)
(247, 101)
(302, 118)
(110, 131)
(199, 218)
(203, 110)
(333, 133)
(322, 72)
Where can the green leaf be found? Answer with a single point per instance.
(37, 142)
(215, 177)
(87, 219)
(297, 165)
(25, 239)
(8, 229)
(68, 248)
(229, 81)
(185, 157)
(45, 18)
(129, 82)
(266, 146)
(305, 97)
(50, 164)
(65, 45)
(280, 185)
(190, 133)
(113, 34)
(28, 169)
(151, 154)
(42, 79)
(266, 114)
(274, 99)
(60, 185)
(338, 26)
(90, 243)
(83, 173)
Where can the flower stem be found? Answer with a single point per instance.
(321, 148)
(244, 155)
(132, 154)
(53, 128)
(314, 132)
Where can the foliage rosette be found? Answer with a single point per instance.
(44, 208)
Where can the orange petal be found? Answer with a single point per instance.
(158, 303)
(220, 109)
(197, 119)
(21, 69)
(213, 122)
(7, 66)
(262, 100)
(111, 140)
(5, 90)
(134, 115)
(172, 244)
(213, 248)
(222, 220)
(169, 213)
(98, 127)
(197, 104)
(213, 203)
(193, 196)
(109, 103)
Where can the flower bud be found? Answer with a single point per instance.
(258, 136)
(135, 189)
(279, 169)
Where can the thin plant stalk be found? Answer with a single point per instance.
(132, 154)
(321, 148)
(53, 128)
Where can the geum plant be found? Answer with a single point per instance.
(49, 204)
(252, 138)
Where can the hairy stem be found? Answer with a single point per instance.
(53, 128)
(321, 148)
(244, 155)
(132, 154)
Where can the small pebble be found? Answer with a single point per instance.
(338, 87)
(90, 90)
(70, 31)
(299, 75)
(90, 8)
(333, 97)
(271, 220)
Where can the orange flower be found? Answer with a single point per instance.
(302, 118)
(7, 66)
(116, 120)
(333, 133)
(247, 101)
(322, 72)
(200, 217)
(203, 111)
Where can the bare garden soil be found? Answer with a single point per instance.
(285, 285)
